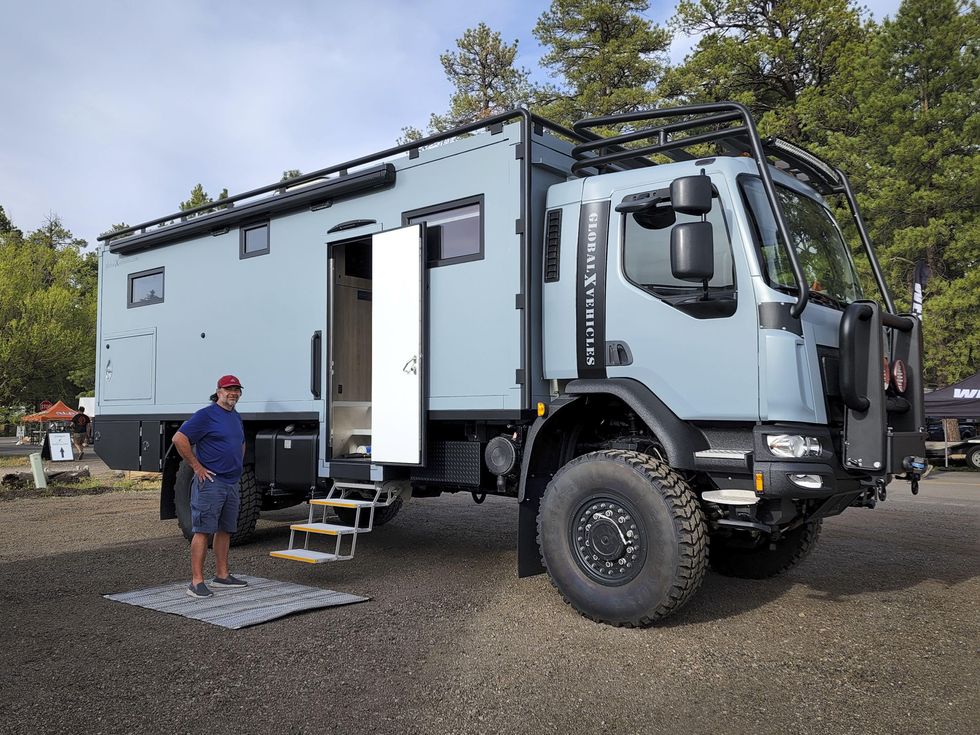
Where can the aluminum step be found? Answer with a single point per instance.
(722, 454)
(305, 555)
(363, 486)
(347, 503)
(330, 529)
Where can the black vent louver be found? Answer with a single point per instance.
(552, 247)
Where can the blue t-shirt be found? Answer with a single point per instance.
(217, 436)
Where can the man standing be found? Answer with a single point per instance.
(218, 438)
(79, 426)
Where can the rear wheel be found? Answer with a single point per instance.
(733, 559)
(248, 509)
(622, 537)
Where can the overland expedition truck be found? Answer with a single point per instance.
(655, 353)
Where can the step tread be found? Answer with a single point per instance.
(331, 529)
(306, 555)
(347, 503)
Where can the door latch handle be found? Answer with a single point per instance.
(411, 366)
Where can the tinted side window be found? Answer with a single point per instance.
(454, 231)
(145, 288)
(254, 240)
(646, 260)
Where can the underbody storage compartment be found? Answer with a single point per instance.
(286, 460)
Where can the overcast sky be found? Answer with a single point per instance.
(113, 110)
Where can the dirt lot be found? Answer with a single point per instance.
(876, 633)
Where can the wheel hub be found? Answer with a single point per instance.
(608, 541)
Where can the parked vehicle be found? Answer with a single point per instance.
(650, 357)
(935, 431)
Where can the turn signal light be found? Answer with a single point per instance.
(886, 372)
(541, 409)
(900, 375)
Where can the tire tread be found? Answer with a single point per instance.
(687, 515)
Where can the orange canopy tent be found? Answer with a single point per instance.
(58, 412)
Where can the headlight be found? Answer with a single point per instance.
(793, 445)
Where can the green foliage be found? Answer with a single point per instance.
(199, 198)
(762, 54)
(901, 116)
(485, 79)
(606, 56)
(47, 315)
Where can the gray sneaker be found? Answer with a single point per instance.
(199, 590)
(228, 581)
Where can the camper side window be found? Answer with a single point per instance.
(253, 240)
(453, 230)
(145, 288)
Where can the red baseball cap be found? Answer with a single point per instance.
(229, 381)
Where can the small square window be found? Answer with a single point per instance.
(254, 240)
(145, 288)
(453, 231)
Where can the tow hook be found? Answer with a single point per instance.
(882, 491)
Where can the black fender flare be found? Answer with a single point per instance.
(679, 438)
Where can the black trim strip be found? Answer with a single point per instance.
(776, 315)
(487, 414)
(590, 297)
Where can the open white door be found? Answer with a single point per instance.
(397, 362)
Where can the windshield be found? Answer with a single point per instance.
(823, 255)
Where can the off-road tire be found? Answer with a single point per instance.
(248, 510)
(381, 515)
(761, 562)
(973, 458)
(671, 556)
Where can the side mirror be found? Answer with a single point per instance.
(692, 251)
(691, 194)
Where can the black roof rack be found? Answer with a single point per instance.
(700, 125)
(730, 125)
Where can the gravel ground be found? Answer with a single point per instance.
(876, 633)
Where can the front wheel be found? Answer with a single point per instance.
(622, 537)
(764, 560)
(248, 510)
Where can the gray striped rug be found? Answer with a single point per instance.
(263, 600)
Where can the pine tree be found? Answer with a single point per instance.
(762, 54)
(605, 55)
(485, 79)
(901, 117)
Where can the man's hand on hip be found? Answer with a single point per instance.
(203, 474)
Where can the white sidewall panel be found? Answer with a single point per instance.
(396, 347)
